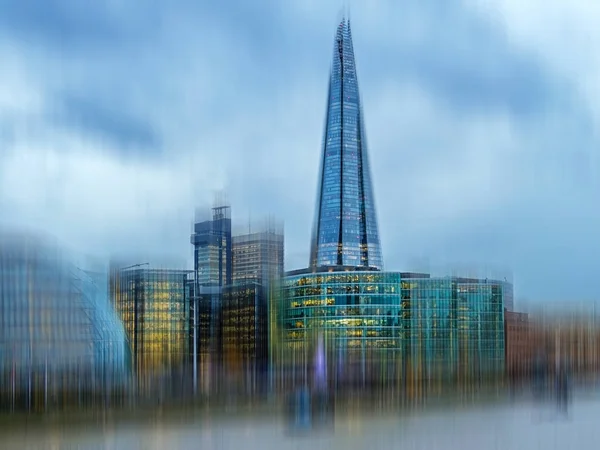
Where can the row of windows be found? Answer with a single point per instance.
(480, 291)
(357, 277)
(480, 313)
(439, 334)
(368, 298)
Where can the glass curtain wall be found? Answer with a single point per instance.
(394, 330)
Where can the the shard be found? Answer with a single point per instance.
(345, 231)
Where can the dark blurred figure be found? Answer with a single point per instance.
(310, 411)
(539, 378)
(299, 410)
(562, 388)
(323, 410)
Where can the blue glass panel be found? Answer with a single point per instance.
(345, 230)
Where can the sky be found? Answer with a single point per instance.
(119, 118)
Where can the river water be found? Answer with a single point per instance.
(524, 425)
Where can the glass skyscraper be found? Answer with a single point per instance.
(345, 231)
(212, 249)
(232, 322)
(395, 330)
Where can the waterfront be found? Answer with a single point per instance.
(523, 424)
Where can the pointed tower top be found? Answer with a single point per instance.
(345, 232)
(344, 14)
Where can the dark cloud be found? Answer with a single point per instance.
(73, 27)
(518, 86)
(58, 22)
(108, 123)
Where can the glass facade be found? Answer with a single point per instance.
(381, 328)
(394, 328)
(154, 305)
(245, 335)
(345, 230)
(509, 302)
(258, 257)
(212, 249)
(209, 327)
(58, 331)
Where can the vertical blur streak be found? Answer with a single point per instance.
(56, 323)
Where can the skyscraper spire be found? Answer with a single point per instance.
(346, 10)
(345, 231)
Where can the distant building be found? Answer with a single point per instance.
(569, 334)
(209, 301)
(234, 278)
(154, 305)
(245, 336)
(257, 271)
(520, 347)
(258, 257)
(213, 270)
(212, 249)
(509, 302)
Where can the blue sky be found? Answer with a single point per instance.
(118, 118)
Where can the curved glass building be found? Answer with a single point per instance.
(58, 331)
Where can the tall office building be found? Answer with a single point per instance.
(258, 257)
(213, 270)
(241, 333)
(345, 231)
(212, 248)
(154, 306)
(245, 336)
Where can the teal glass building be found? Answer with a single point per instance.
(392, 328)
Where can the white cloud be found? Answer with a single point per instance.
(445, 167)
(564, 34)
(94, 199)
(18, 93)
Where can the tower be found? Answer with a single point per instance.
(345, 231)
(212, 248)
(258, 255)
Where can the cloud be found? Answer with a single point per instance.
(116, 121)
(106, 123)
(94, 200)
